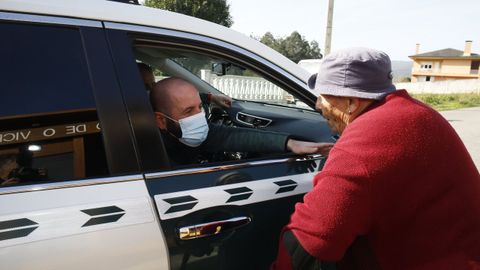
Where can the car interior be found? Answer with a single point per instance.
(257, 102)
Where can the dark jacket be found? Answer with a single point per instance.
(225, 139)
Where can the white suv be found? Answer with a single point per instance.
(86, 182)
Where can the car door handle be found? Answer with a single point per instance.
(212, 228)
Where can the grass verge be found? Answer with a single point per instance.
(442, 102)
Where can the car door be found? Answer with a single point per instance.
(71, 194)
(224, 215)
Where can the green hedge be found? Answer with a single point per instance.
(449, 101)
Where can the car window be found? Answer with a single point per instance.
(229, 78)
(255, 100)
(49, 129)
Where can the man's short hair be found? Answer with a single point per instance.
(159, 96)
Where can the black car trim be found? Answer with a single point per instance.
(70, 184)
(15, 223)
(118, 138)
(142, 123)
(16, 228)
(181, 203)
(181, 207)
(103, 220)
(16, 233)
(180, 200)
(225, 175)
(286, 189)
(68, 220)
(232, 195)
(286, 183)
(239, 194)
(239, 197)
(154, 176)
(238, 190)
(286, 186)
(23, 17)
(102, 210)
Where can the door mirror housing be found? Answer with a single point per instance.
(220, 69)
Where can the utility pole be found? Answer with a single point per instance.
(328, 34)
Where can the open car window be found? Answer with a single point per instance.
(258, 104)
(216, 75)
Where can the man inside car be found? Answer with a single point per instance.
(181, 119)
(148, 78)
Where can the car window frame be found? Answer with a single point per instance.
(209, 46)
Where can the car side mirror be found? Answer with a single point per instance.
(220, 69)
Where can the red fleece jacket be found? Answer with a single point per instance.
(400, 177)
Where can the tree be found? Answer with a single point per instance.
(295, 47)
(314, 50)
(269, 40)
(217, 11)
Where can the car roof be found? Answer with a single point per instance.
(311, 65)
(102, 10)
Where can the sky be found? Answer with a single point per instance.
(393, 26)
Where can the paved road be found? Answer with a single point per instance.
(467, 124)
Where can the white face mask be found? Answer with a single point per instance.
(194, 129)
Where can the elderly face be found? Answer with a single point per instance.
(335, 110)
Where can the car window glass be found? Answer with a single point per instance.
(49, 129)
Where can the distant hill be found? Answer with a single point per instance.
(401, 69)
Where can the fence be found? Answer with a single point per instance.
(259, 89)
(246, 88)
(442, 87)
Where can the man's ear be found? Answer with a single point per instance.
(161, 121)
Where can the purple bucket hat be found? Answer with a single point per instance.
(354, 72)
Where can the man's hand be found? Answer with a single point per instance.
(302, 148)
(221, 100)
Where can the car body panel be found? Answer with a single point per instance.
(114, 219)
(262, 191)
(109, 11)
